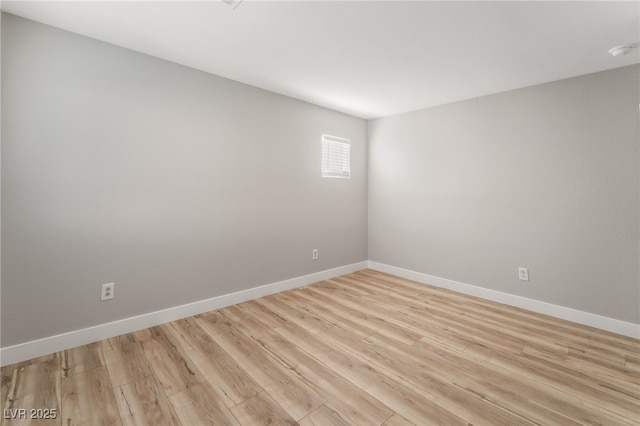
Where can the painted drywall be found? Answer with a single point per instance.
(0, 182)
(175, 184)
(545, 177)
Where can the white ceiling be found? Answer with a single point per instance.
(369, 59)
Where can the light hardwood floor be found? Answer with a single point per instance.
(367, 348)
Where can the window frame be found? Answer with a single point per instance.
(336, 157)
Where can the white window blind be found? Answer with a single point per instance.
(336, 157)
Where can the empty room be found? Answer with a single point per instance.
(320, 213)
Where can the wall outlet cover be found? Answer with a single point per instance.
(107, 291)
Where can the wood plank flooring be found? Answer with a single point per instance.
(363, 349)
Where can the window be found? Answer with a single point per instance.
(336, 157)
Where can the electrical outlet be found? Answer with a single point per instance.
(314, 254)
(107, 291)
(523, 274)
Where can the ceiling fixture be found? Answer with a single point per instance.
(233, 3)
(623, 50)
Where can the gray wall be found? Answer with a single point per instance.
(176, 184)
(545, 177)
(180, 186)
(0, 181)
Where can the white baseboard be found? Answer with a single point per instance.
(570, 314)
(72, 339)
